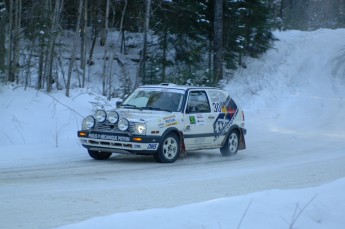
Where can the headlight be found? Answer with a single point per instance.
(101, 116)
(113, 117)
(123, 124)
(88, 122)
(140, 128)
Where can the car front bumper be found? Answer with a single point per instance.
(118, 142)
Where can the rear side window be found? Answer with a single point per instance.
(198, 102)
(230, 105)
(221, 101)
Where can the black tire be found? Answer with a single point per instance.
(169, 149)
(98, 155)
(231, 144)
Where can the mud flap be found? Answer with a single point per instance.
(242, 142)
(183, 152)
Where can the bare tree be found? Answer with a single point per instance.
(95, 30)
(142, 65)
(43, 32)
(122, 32)
(16, 39)
(83, 44)
(125, 78)
(107, 60)
(164, 55)
(10, 37)
(3, 20)
(74, 48)
(55, 21)
(104, 29)
(14, 32)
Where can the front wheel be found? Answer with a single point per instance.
(231, 144)
(169, 149)
(98, 155)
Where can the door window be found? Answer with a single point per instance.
(198, 102)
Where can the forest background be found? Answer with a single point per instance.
(63, 44)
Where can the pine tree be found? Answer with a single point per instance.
(247, 30)
(181, 28)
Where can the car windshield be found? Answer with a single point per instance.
(155, 99)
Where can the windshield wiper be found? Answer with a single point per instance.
(130, 106)
(156, 109)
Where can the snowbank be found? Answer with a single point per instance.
(318, 207)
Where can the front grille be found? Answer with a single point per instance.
(123, 145)
(107, 126)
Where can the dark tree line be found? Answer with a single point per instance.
(311, 14)
(201, 38)
(53, 42)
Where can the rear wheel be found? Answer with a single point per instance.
(98, 155)
(169, 149)
(231, 144)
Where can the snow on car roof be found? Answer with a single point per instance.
(175, 86)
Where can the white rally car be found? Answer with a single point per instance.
(166, 120)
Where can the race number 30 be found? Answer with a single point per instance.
(216, 107)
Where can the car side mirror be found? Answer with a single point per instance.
(118, 104)
(192, 109)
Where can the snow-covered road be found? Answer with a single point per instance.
(47, 195)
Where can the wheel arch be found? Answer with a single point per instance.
(179, 134)
(242, 142)
(168, 151)
(171, 130)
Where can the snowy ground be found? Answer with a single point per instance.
(292, 174)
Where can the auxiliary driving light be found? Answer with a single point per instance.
(123, 124)
(88, 122)
(113, 117)
(101, 115)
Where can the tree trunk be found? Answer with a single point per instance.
(122, 32)
(218, 41)
(16, 39)
(74, 49)
(40, 63)
(104, 30)
(52, 41)
(106, 21)
(28, 68)
(10, 77)
(93, 44)
(107, 60)
(142, 65)
(104, 74)
(110, 73)
(210, 60)
(2, 40)
(83, 44)
(164, 57)
(95, 30)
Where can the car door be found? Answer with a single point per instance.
(199, 119)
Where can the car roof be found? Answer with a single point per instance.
(175, 86)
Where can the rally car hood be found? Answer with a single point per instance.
(136, 115)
